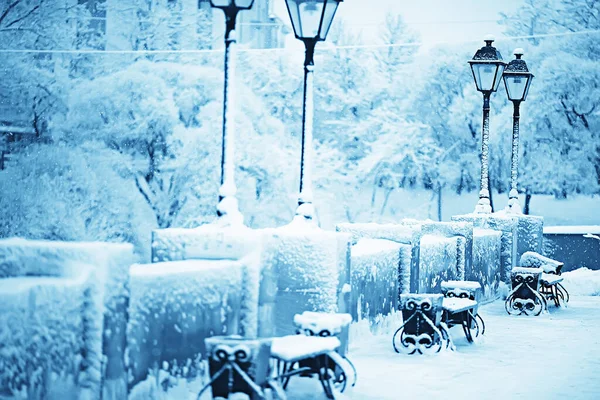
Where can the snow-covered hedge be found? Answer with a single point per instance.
(440, 260)
(110, 265)
(174, 306)
(406, 232)
(380, 273)
(487, 244)
(508, 225)
(305, 269)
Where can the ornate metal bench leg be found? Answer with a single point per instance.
(563, 291)
(325, 376)
(481, 323)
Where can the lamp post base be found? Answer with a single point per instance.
(514, 207)
(306, 214)
(228, 213)
(483, 205)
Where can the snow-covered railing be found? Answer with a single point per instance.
(72, 292)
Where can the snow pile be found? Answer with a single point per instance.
(380, 272)
(486, 268)
(174, 306)
(51, 335)
(533, 259)
(110, 266)
(582, 282)
(304, 270)
(440, 261)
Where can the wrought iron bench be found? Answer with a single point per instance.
(550, 281)
(423, 330)
(240, 365)
(461, 305)
(525, 297)
(319, 350)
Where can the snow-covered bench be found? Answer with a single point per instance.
(461, 304)
(525, 297)
(318, 350)
(550, 281)
(423, 330)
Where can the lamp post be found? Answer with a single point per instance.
(487, 67)
(311, 20)
(517, 80)
(227, 208)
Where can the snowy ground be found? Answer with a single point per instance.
(553, 356)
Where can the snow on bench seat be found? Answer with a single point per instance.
(296, 347)
(317, 321)
(551, 279)
(455, 305)
(473, 285)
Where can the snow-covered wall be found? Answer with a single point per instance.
(174, 306)
(487, 245)
(576, 246)
(110, 265)
(380, 273)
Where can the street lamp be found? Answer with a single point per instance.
(487, 67)
(517, 80)
(227, 209)
(311, 20)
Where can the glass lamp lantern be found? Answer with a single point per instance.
(487, 67)
(237, 4)
(311, 19)
(517, 78)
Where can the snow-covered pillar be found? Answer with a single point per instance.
(514, 207)
(227, 209)
(483, 205)
(305, 198)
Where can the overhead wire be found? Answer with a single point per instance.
(282, 49)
